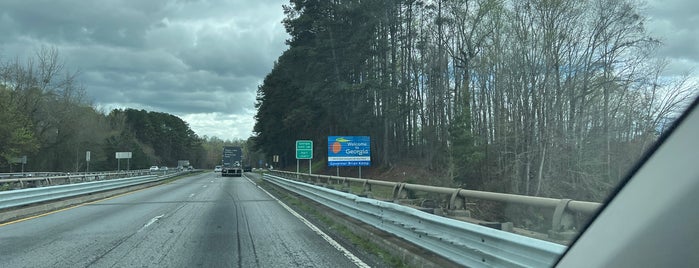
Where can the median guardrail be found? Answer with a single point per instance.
(25, 180)
(461, 242)
(21, 197)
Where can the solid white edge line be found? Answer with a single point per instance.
(354, 259)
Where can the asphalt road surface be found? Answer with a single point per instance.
(200, 221)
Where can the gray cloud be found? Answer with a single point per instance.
(675, 24)
(203, 59)
(195, 59)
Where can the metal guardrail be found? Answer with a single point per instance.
(29, 174)
(19, 180)
(16, 198)
(457, 197)
(464, 243)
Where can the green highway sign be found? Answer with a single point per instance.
(304, 149)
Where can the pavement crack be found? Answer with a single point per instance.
(116, 245)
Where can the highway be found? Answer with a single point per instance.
(200, 221)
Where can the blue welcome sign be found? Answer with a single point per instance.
(349, 151)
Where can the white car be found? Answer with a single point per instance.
(154, 168)
(218, 169)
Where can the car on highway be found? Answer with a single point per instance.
(218, 169)
(154, 168)
(164, 168)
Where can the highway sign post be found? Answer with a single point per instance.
(304, 150)
(87, 160)
(19, 160)
(349, 151)
(123, 155)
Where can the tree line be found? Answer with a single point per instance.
(46, 117)
(545, 98)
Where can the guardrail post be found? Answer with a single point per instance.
(562, 222)
(346, 186)
(457, 204)
(328, 181)
(398, 191)
(366, 189)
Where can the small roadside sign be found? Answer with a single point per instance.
(20, 160)
(123, 155)
(304, 149)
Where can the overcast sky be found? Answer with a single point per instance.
(203, 60)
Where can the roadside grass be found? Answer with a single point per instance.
(5, 187)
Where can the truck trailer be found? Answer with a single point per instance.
(232, 159)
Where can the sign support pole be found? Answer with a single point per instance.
(338, 171)
(360, 172)
(304, 150)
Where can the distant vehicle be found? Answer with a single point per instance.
(218, 169)
(154, 168)
(164, 168)
(182, 164)
(232, 158)
(247, 169)
(190, 168)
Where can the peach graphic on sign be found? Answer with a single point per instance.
(337, 145)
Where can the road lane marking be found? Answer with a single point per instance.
(153, 220)
(79, 205)
(70, 207)
(354, 259)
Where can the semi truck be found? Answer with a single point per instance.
(232, 161)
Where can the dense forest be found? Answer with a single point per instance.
(45, 117)
(545, 98)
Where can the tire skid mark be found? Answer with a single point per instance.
(240, 214)
(252, 240)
